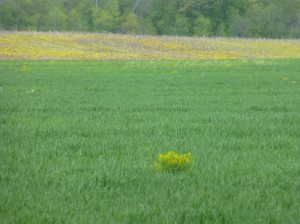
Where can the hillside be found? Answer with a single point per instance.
(92, 46)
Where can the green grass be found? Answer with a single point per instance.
(79, 140)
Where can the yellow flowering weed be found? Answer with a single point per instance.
(172, 161)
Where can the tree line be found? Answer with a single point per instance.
(232, 18)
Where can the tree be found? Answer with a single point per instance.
(202, 26)
(85, 10)
(56, 19)
(163, 15)
(7, 19)
(146, 26)
(181, 26)
(106, 18)
(75, 22)
(130, 24)
(244, 18)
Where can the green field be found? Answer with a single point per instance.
(79, 139)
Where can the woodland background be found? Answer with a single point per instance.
(231, 18)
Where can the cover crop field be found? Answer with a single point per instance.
(79, 141)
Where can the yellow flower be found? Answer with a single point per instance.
(172, 161)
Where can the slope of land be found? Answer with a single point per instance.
(91, 46)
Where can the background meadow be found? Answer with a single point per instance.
(79, 140)
(96, 46)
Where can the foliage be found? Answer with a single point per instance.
(202, 26)
(234, 18)
(130, 24)
(56, 19)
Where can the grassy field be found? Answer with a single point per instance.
(35, 45)
(79, 140)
